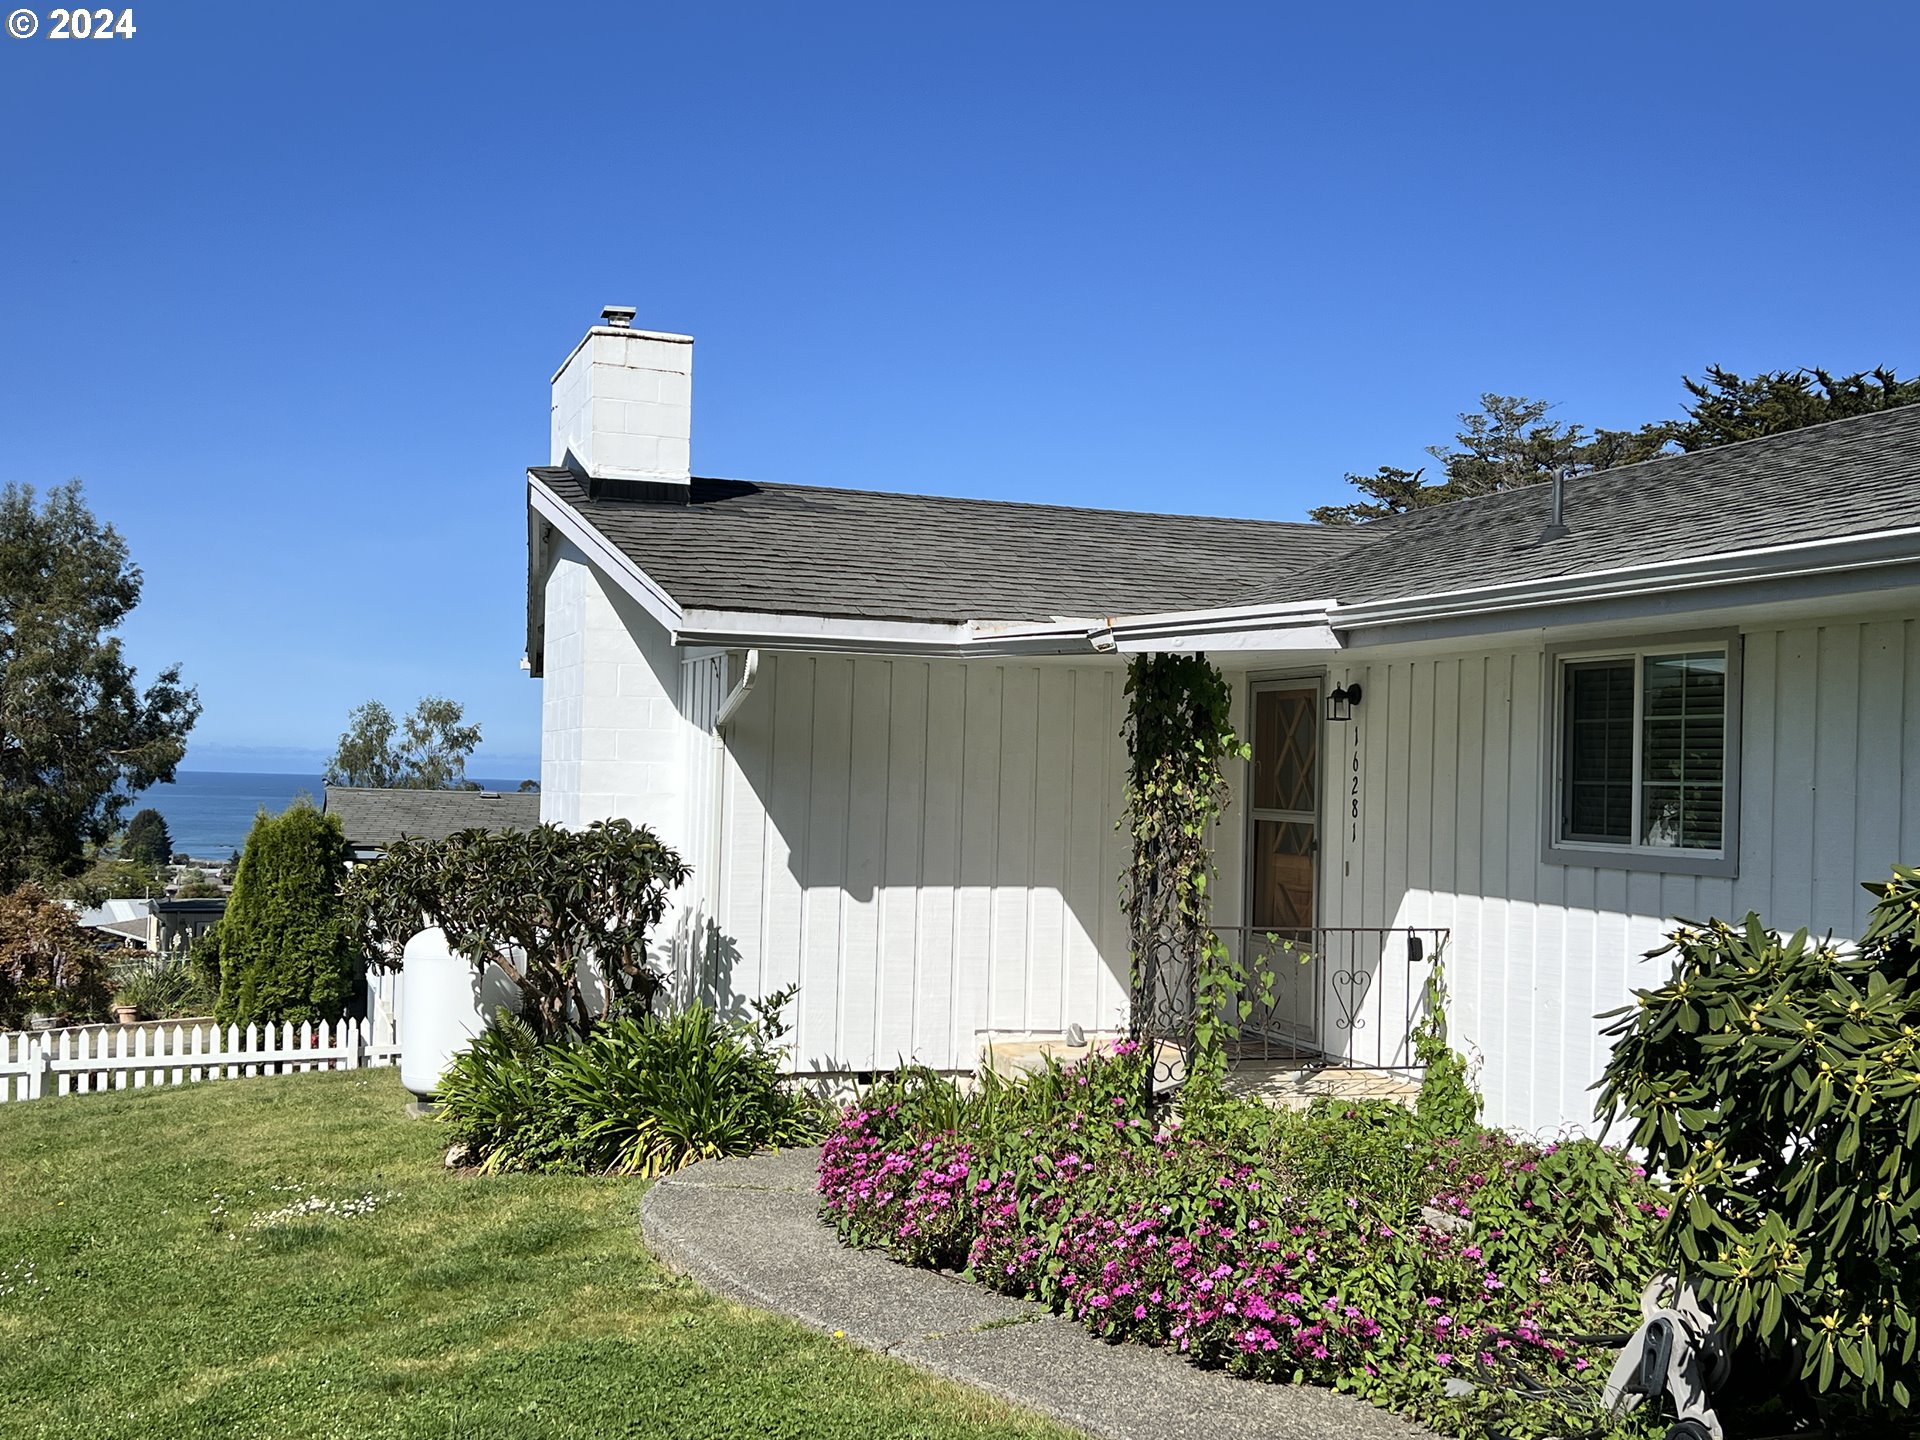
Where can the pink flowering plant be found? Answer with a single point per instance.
(1350, 1246)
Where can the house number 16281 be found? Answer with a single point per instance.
(1353, 787)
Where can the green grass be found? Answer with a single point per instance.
(161, 1305)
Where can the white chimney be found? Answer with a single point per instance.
(623, 408)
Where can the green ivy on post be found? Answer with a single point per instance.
(1179, 738)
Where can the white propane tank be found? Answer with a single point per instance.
(444, 1003)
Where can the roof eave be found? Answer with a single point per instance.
(605, 555)
(860, 635)
(1526, 604)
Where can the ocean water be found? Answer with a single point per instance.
(209, 812)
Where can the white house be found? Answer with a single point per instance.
(885, 729)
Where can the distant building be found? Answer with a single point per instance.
(374, 819)
(159, 926)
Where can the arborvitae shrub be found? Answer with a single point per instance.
(285, 949)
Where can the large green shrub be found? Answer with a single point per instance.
(641, 1095)
(48, 962)
(547, 907)
(1775, 1080)
(285, 951)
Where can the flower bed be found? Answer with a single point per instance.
(1346, 1247)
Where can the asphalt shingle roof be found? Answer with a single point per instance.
(810, 550)
(376, 818)
(1846, 477)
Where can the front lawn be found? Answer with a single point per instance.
(287, 1259)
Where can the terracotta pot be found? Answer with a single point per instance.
(125, 1014)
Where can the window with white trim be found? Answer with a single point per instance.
(1645, 750)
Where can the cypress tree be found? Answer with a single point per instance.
(285, 951)
(147, 839)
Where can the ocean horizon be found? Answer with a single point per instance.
(209, 812)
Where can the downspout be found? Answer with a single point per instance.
(737, 696)
(729, 707)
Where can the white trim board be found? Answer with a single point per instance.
(605, 555)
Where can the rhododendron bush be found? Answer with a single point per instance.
(1348, 1247)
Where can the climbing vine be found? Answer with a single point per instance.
(1179, 737)
(1448, 1104)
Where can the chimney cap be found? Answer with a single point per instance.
(618, 316)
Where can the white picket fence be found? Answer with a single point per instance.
(131, 1057)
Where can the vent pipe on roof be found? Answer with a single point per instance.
(1556, 528)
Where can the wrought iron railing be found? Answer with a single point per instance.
(1326, 998)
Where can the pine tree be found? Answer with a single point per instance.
(284, 949)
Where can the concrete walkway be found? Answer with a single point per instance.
(748, 1229)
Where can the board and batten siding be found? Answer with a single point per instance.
(928, 849)
(1450, 828)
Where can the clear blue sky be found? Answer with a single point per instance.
(285, 283)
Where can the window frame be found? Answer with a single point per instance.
(1599, 854)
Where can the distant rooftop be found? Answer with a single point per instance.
(374, 819)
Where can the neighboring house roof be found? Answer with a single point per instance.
(374, 819)
(116, 912)
(203, 906)
(810, 550)
(1844, 477)
(125, 929)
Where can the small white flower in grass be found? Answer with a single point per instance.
(319, 1207)
(20, 1281)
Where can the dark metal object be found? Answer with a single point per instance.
(1162, 1015)
(1341, 700)
(1556, 526)
(1651, 1378)
(1678, 1352)
(1324, 998)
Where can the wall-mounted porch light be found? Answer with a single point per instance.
(1341, 702)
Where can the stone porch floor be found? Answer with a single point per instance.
(1296, 1084)
(1292, 1082)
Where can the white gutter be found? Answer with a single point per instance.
(1293, 625)
(862, 635)
(1802, 559)
(1326, 624)
(716, 846)
(737, 696)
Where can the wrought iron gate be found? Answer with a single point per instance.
(1327, 998)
